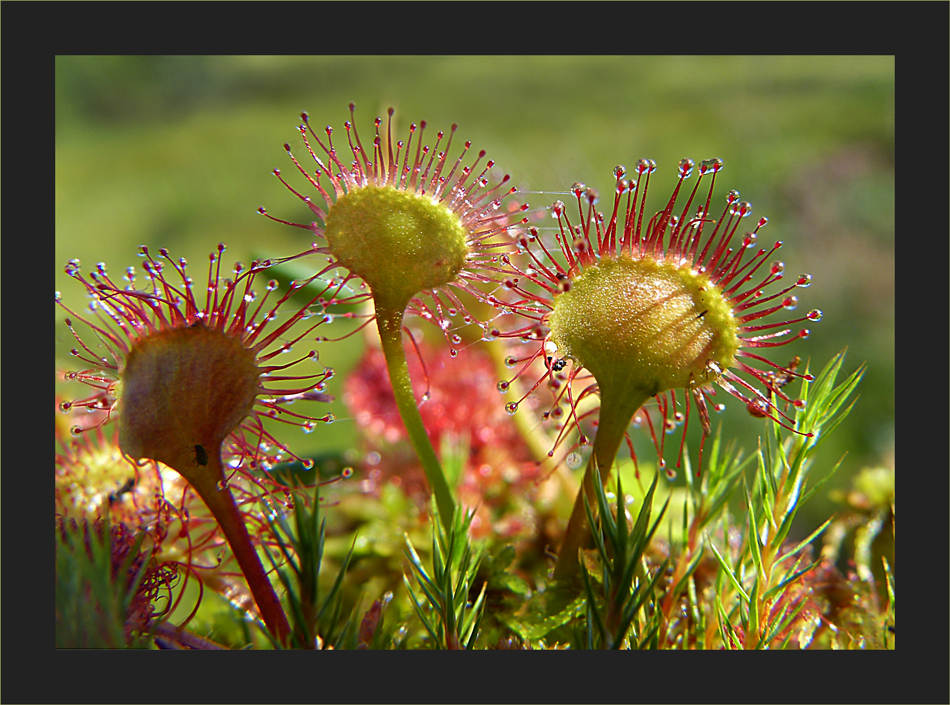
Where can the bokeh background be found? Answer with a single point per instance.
(178, 152)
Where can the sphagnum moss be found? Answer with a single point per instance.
(647, 311)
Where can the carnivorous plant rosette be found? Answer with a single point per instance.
(649, 306)
(192, 384)
(411, 224)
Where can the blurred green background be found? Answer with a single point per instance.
(177, 152)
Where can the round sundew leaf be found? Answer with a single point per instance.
(184, 389)
(644, 324)
(397, 241)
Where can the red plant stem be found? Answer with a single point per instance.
(209, 484)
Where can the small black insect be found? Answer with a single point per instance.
(201, 455)
(125, 488)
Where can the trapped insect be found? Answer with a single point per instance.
(126, 487)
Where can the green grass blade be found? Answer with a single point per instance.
(726, 570)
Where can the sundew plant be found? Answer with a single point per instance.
(539, 413)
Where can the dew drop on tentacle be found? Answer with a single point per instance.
(743, 209)
(563, 282)
(511, 407)
(758, 408)
(814, 315)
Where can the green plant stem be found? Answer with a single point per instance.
(209, 484)
(617, 408)
(389, 322)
